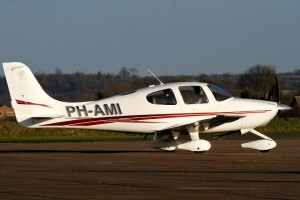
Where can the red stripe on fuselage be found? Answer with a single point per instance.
(138, 118)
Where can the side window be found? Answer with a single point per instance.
(162, 97)
(193, 95)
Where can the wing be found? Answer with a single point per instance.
(206, 123)
(217, 121)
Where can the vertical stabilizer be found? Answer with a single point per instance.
(28, 98)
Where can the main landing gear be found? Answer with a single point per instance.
(198, 145)
(172, 143)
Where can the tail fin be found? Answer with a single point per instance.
(28, 98)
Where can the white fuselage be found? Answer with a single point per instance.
(132, 112)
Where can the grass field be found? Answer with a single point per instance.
(11, 131)
(280, 125)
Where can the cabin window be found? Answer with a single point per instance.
(193, 95)
(219, 93)
(162, 97)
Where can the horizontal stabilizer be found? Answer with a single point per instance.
(47, 116)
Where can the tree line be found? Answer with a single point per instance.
(257, 82)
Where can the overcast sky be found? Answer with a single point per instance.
(167, 36)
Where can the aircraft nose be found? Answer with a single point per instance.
(272, 106)
(258, 112)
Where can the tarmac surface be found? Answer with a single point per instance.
(132, 170)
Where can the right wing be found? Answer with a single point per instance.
(217, 121)
(206, 123)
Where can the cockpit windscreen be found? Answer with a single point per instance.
(219, 93)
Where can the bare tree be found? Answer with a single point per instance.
(258, 80)
(124, 73)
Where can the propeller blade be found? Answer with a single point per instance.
(281, 107)
(277, 89)
(281, 114)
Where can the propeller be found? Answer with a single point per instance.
(281, 107)
(277, 89)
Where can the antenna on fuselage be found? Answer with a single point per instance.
(161, 83)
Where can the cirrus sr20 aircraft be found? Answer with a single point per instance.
(177, 108)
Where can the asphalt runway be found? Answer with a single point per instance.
(132, 170)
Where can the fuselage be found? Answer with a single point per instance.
(162, 107)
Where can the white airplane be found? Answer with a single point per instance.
(187, 107)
